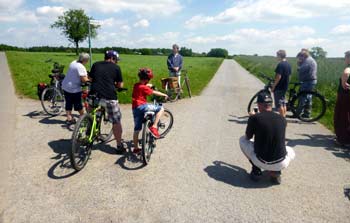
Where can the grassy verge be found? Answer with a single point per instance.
(329, 71)
(28, 69)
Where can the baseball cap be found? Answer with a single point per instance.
(264, 97)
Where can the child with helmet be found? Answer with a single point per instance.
(141, 90)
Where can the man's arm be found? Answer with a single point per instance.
(170, 63)
(249, 132)
(277, 80)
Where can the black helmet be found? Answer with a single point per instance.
(264, 97)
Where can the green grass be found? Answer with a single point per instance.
(28, 69)
(329, 71)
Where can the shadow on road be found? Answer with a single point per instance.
(234, 176)
(49, 120)
(130, 161)
(321, 141)
(62, 168)
(239, 120)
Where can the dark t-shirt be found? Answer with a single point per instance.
(284, 69)
(269, 131)
(104, 75)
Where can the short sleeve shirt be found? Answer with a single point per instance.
(268, 129)
(139, 94)
(284, 69)
(72, 83)
(104, 75)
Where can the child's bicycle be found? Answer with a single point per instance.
(52, 98)
(92, 126)
(307, 106)
(148, 140)
(172, 88)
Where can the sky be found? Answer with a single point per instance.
(241, 26)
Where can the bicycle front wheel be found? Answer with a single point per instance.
(81, 145)
(147, 143)
(308, 106)
(52, 101)
(106, 129)
(187, 82)
(165, 123)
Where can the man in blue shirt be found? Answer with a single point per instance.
(174, 63)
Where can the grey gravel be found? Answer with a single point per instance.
(197, 173)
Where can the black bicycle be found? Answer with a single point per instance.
(148, 140)
(307, 106)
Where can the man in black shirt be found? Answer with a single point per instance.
(268, 151)
(106, 77)
(280, 86)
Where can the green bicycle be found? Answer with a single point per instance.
(92, 126)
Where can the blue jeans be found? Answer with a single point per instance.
(139, 113)
(306, 102)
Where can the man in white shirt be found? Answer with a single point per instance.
(72, 86)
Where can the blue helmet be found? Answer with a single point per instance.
(111, 54)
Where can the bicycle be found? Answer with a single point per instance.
(52, 98)
(307, 106)
(172, 88)
(92, 126)
(148, 140)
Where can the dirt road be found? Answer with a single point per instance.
(197, 173)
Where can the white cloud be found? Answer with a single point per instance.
(271, 11)
(143, 23)
(341, 29)
(9, 5)
(50, 11)
(149, 7)
(20, 16)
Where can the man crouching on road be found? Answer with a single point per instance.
(268, 151)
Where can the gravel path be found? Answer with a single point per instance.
(197, 173)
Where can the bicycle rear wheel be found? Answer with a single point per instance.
(147, 143)
(165, 123)
(81, 146)
(52, 101)
(187, 83)
(308, 106)
(106, 129)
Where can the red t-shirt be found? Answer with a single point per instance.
(139, 94)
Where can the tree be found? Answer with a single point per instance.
(186, 52)
(318, 52)
(218, 52)
(75, 26)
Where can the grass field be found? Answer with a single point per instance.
(28, 69)
(329, 71)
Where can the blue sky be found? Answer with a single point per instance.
(240, 26)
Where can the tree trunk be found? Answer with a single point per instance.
(77, 48)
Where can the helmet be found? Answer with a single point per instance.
(111, 54)
(145, 73)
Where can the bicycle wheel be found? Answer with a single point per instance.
(253, 102)
(187, 82)
(81, 146)
(165, 123)
(52, 101)
(147, 143)
(308, 106)
(106, 129)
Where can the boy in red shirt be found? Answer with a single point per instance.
(139, 105)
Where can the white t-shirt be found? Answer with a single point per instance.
(72, 83)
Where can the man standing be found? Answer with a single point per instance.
(174, 63)
(307, 73)
(106, 77)
(268, 151)
(280, 86)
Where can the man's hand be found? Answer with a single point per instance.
(251, 113)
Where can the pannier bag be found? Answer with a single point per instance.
(40, 88)
(173, 82)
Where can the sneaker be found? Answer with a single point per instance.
(154, 132)
(255, 174)
(120, 149)
(71, 122)
(275, 177)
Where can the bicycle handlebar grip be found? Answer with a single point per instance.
(121, 89)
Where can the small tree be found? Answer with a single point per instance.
(75, 26)
(218, 52)
(318, 52)
(186, 52)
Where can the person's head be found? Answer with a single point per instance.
(347, 57)
(145, 74)
(83, 58)
(281, 54)
(112, 56)
(264, 101)
(302, 55)
(176, 48)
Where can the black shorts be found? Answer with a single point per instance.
(73, 99)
